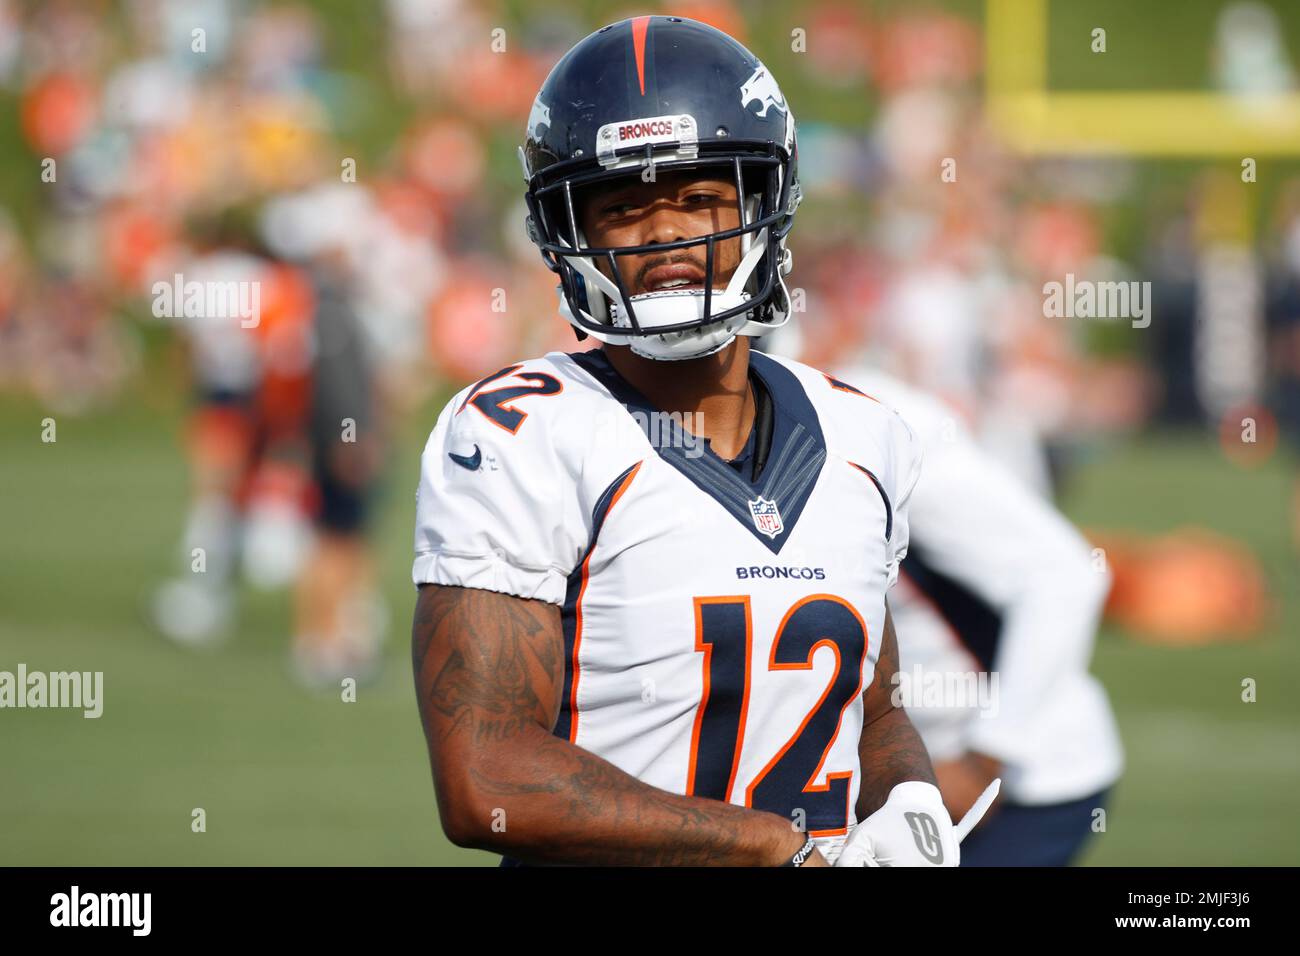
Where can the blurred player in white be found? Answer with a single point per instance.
(998, 581)
(651, 625)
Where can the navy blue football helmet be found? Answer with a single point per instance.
(670, 94)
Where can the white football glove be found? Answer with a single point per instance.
(913, 829)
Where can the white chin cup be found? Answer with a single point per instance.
(671, 307)
(674, 307)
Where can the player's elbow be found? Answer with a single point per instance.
(466, 820)
(472, 816)
(462, 827)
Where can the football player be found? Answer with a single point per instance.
(998, 581)
(651, 625)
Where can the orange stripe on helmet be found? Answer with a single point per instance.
(640, 26)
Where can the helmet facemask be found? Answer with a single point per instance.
(672, 324)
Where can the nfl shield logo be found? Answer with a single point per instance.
(767, 517)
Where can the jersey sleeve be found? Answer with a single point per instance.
(510, 523)
(907, 472)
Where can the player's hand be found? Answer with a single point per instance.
(912, 829)
(880, 844)
(961, 781)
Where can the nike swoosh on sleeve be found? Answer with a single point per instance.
(468, 461)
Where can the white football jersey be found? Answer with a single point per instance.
(719, 632)
(998, 581)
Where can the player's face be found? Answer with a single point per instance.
(677, 205)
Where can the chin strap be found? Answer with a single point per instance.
(587, 269)
(746, 266)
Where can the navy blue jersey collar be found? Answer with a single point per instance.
(768, 508)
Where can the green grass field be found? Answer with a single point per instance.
(90, 524)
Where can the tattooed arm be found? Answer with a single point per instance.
(890, 749)
(489, 671)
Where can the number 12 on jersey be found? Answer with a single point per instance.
(724, 635)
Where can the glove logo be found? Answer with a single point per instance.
(926, 834)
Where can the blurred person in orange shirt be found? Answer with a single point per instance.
(373, 270)
(245, 450)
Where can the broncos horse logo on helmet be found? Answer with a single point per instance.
(762, 87)
(674, 94)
